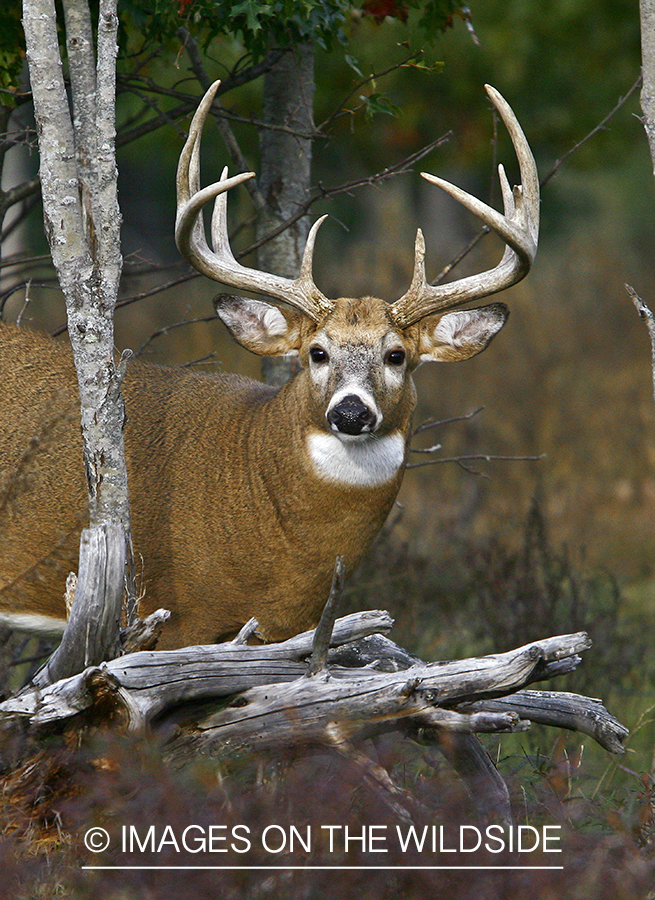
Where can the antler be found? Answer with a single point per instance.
(219, 263)
(518, 227)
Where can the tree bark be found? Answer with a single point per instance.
(284, 180)
(647, 14)
(82, 222)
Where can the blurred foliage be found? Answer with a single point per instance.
(483, 596)
(117, 782)
(536, 590)
(262, 24)
(12, 48)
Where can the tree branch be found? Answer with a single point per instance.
(645, 314)
(226, 133)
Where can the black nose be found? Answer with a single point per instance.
(351, 416)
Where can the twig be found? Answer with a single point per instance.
(325, 627)
(201, 361)
(322, 193)
(26, 302)
(163, 117)
(375, 76)
(437, 423)
(646, 314)
(45, 285)
(153, 123)
(601, 125)
(432, 449)
(126, 301)
(476, 457)
(228, 136)
(167, 328)
(27, 207)
(21, 260)
(485, 230)
(246, 631)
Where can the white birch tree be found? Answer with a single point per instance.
(82, 222)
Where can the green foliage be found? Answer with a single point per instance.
(12, 46)
(260, 24)
(256, 23)
(375, 103)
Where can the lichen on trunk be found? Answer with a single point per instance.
(286, 160)
(82, 222)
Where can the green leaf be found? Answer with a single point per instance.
(251, 11)
(354, 64)
(376, 104)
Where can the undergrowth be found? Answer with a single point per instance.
(466, 600)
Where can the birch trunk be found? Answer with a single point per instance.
(82, 222)
(647, 14)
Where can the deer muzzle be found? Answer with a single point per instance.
(352, 416)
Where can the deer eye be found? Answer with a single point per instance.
(395, 358)
(318, 355)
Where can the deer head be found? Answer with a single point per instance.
(359, 352)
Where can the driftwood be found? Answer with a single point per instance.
(92, 631)
(275, 701)
(342, 682)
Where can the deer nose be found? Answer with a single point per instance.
(351, 416)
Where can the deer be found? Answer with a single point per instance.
(242, 494)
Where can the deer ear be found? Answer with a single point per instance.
(460, 335)
(260, 327)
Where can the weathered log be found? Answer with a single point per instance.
(91, 634)
(289, 695)
(358, 703)
(562, 710)
(275, 702)
(271, 684)
(155, 680)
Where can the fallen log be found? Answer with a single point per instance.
(276, 701)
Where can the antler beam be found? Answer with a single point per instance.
(518, 227)
(219, 263)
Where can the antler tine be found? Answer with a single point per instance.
(518, 226)
(219, 263)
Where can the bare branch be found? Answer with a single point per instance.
(340, 110)
(594, 131)
(20, 192)
(437, 423)
(323, 633)
(152, 124)
(475, 457)
(20, 260)
(485, 230)
(645, 313)
(402, 167)
(168, 328)
(228, 136)
(19, 218)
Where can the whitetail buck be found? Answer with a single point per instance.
(243, 495)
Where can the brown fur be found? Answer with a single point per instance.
(229, 514)
(218, 492)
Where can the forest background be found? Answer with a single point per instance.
(511, 551)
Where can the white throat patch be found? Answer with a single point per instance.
(361, 463)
